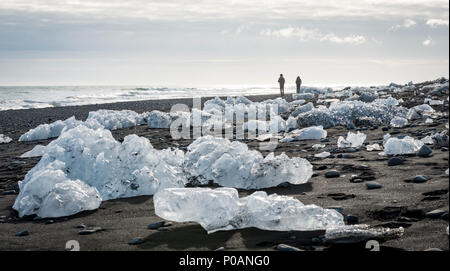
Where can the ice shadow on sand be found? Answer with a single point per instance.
(194, 237)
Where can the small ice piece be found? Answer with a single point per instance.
(427, 140)
(446, 172)
(399, 122)
(37, 151)
(158, 119)
(291, 124)
(352, 140)
(374, 147)
(324, 154)
(361, 233)
(232, 164)
(406, 145)
(429, 120)
(302, 96)
(310, 133)
(433, 102)
(390, 101)
(318, 146)
(222, 209)
(297, 102)
(302, 109)
(4, 139)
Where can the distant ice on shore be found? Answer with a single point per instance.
(4, 139)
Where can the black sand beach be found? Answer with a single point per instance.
(399, 203)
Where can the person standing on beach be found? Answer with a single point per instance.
(298, 82)
(281, 81)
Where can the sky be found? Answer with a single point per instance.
(229, 42)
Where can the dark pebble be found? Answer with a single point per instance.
(9, 192)
(332, 174)
(420, 179)
(435, 213)
(395, 161)
(155, 226)
(22, 233)
(136, 241)
(424, 151)
(373, 185)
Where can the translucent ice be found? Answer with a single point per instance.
(232, 164)
(373, 147)
(4, 139)
(345, 112)
(222, 209)
(95, 158)
(352, 140)
(406, 145)
(314, 132)
(399, 122)
(45, 131)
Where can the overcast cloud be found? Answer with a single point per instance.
(221, 42)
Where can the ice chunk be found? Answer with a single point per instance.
(302, 109)
(222, 209)
(399, 122)
(406, 145)
(373, 147)
(390, 101)
(94, 157)
(361, 233)
(352, 140)
(37, 151)
(427, 140)
(45, 131)
(302, 96)
(433, 102)
(343, 113)
(158, 119)
(314, 132)
(428, 120)
(322, 154)
(318, 146)
(446, 172)
(4, 139)
(68, 198)
(232, 164)
(291, 124)
(113, 120)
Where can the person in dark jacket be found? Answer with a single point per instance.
(281, 81)
(298, 82)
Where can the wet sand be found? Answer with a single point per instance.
(397, 203)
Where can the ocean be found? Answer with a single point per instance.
(25, 97)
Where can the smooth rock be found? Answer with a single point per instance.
(435, 213)
(136, 241)
(284, 247)
(420, 179)
(373, 185)
(395, 161)
(424, 151)
(332, 174)
(352, 219)
(22, 233)
(155, 226)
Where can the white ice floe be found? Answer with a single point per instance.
(352, 140)
(98, 161)
(4, 139)
(397, 146)
(222, 209)
(232, 164)
(374, 147)
(399, 122)
(429, 120)
(310, 133)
